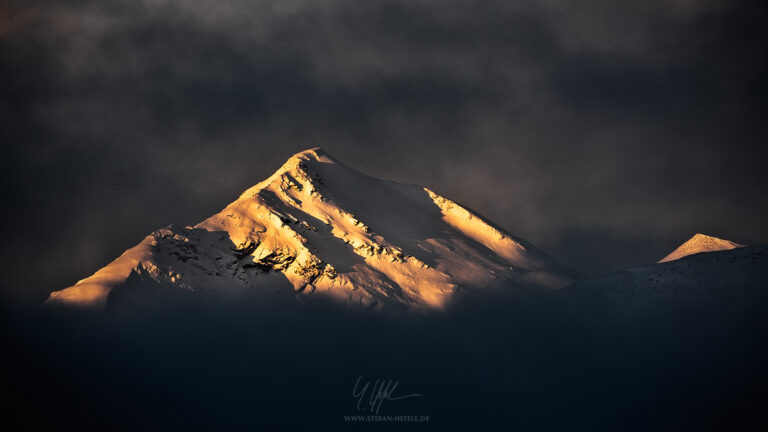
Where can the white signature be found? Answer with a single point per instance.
(380, 391)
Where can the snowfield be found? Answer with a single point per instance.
(317, 228)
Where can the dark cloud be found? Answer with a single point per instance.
(615, 128)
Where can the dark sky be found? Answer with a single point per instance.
(605, 132)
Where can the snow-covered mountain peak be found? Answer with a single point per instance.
(319, 228)
(700, 243)
(297, 165)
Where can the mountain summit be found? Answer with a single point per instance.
(700, 243)
(317, 228)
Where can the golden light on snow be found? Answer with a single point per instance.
(328, 230)
(700, 243)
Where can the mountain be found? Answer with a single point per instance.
(700, 243)
(318, 228)
(704, 285)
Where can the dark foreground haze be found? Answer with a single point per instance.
(634, 351)
(604, 132)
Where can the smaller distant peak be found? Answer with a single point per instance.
(700, 243)
(699, 238)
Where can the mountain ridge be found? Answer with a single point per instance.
(699, 243)
(317, 227)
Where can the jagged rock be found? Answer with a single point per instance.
(246, 248)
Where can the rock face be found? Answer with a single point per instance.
(700, 243)
(317, 228)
